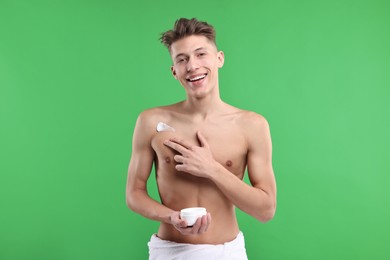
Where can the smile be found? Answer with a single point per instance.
(196, 77)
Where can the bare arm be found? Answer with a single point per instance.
(139, 170)
(258, 200)
(137, 198)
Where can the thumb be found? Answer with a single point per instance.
(202, 140)
(177, 221)
(183, 223)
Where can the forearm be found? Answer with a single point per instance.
(254, 201)
(140, 202)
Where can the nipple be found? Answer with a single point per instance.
(229, 163)
(162, 127)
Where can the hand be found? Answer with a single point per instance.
(196, 160)
(201, 225)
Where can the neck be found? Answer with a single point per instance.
(203, 107)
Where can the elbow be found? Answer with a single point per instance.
(267, 214)
(135, 199)
(130, 201)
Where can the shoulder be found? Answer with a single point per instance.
(146, 125)
(157, 113)
(255, 128)
(252, 120)
(150, 114)
(247, 120)
(149, 118)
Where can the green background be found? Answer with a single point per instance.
(74, 75)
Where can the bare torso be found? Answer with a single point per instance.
(179, 190)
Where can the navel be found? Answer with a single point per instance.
(229, 163)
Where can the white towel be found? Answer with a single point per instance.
(160, 249)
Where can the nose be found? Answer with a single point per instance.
(191, 65)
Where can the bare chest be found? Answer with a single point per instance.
(228, 147)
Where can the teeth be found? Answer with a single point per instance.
(198, 77)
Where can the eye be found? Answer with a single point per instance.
(201, 54)
(181, 60)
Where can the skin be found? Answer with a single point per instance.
(203, 162)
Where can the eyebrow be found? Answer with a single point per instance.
(197, 49)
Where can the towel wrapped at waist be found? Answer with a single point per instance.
(160, 249)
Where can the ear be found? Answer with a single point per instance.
(221, 59)
(173, 72)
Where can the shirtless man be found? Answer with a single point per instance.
(201, 160)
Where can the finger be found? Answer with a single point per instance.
(181, 142)
(177, 147)
(183, 224)
(208, 220)
(174, 217)
(204, 224)
(183, 168)
(197, 225)
(202, 140)
(209, 217)
(179, 158)
(183, 228)
(186, 231)
(176, 221)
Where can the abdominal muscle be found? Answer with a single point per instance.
(180, 190)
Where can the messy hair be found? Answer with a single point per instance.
(186, 27)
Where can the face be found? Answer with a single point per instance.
(195, 64)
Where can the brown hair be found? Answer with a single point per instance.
(184, 27)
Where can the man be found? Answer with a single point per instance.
(201, 148)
